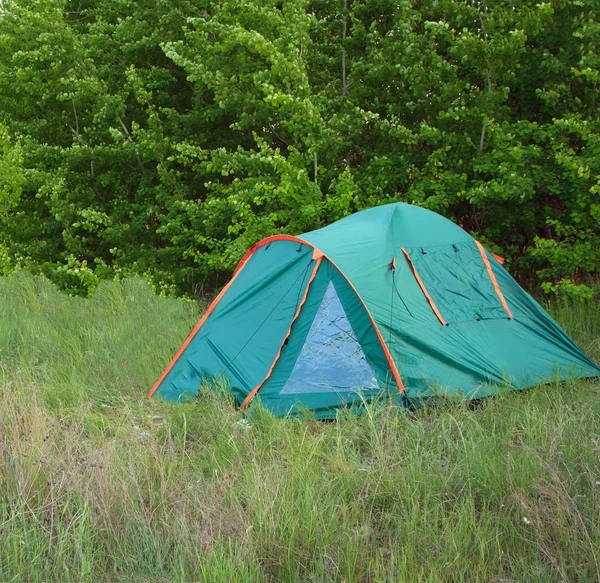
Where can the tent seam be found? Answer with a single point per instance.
(255, 390)
(197, 327)
(499, 293)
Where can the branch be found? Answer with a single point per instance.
(482, 138)
(76, 119)
(139, 160)
(344, 34)
(489, 77)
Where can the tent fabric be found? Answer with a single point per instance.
(393, 301)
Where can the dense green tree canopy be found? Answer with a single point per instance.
(165, 137)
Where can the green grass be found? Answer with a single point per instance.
(99, 484)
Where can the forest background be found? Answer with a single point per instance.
(164, 137)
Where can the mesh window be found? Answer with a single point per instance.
(331, 360)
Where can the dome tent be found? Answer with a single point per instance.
(392, 300)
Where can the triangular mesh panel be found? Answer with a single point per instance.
(331, 360)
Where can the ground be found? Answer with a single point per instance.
(99, 484)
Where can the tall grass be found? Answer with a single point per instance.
(99, 484)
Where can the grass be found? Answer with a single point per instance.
(98, 484)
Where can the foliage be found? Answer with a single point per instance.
(164, 138)
(11, 174)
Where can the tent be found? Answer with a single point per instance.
(395, 300)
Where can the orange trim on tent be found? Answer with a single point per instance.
(318, 255)
(493, 278)
(214, 303)
(255, 390)
(197, 327)
(384, 346)
(499, 259)
(423, 288)
(266, 241)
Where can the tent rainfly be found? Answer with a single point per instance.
(395, 300)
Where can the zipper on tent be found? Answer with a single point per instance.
(423, 288)
(500, 295)
(393, 268)
(252, 394)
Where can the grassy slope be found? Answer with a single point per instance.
(98, 484)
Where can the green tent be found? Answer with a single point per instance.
(395, 300)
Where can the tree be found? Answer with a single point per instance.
(164, 138)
